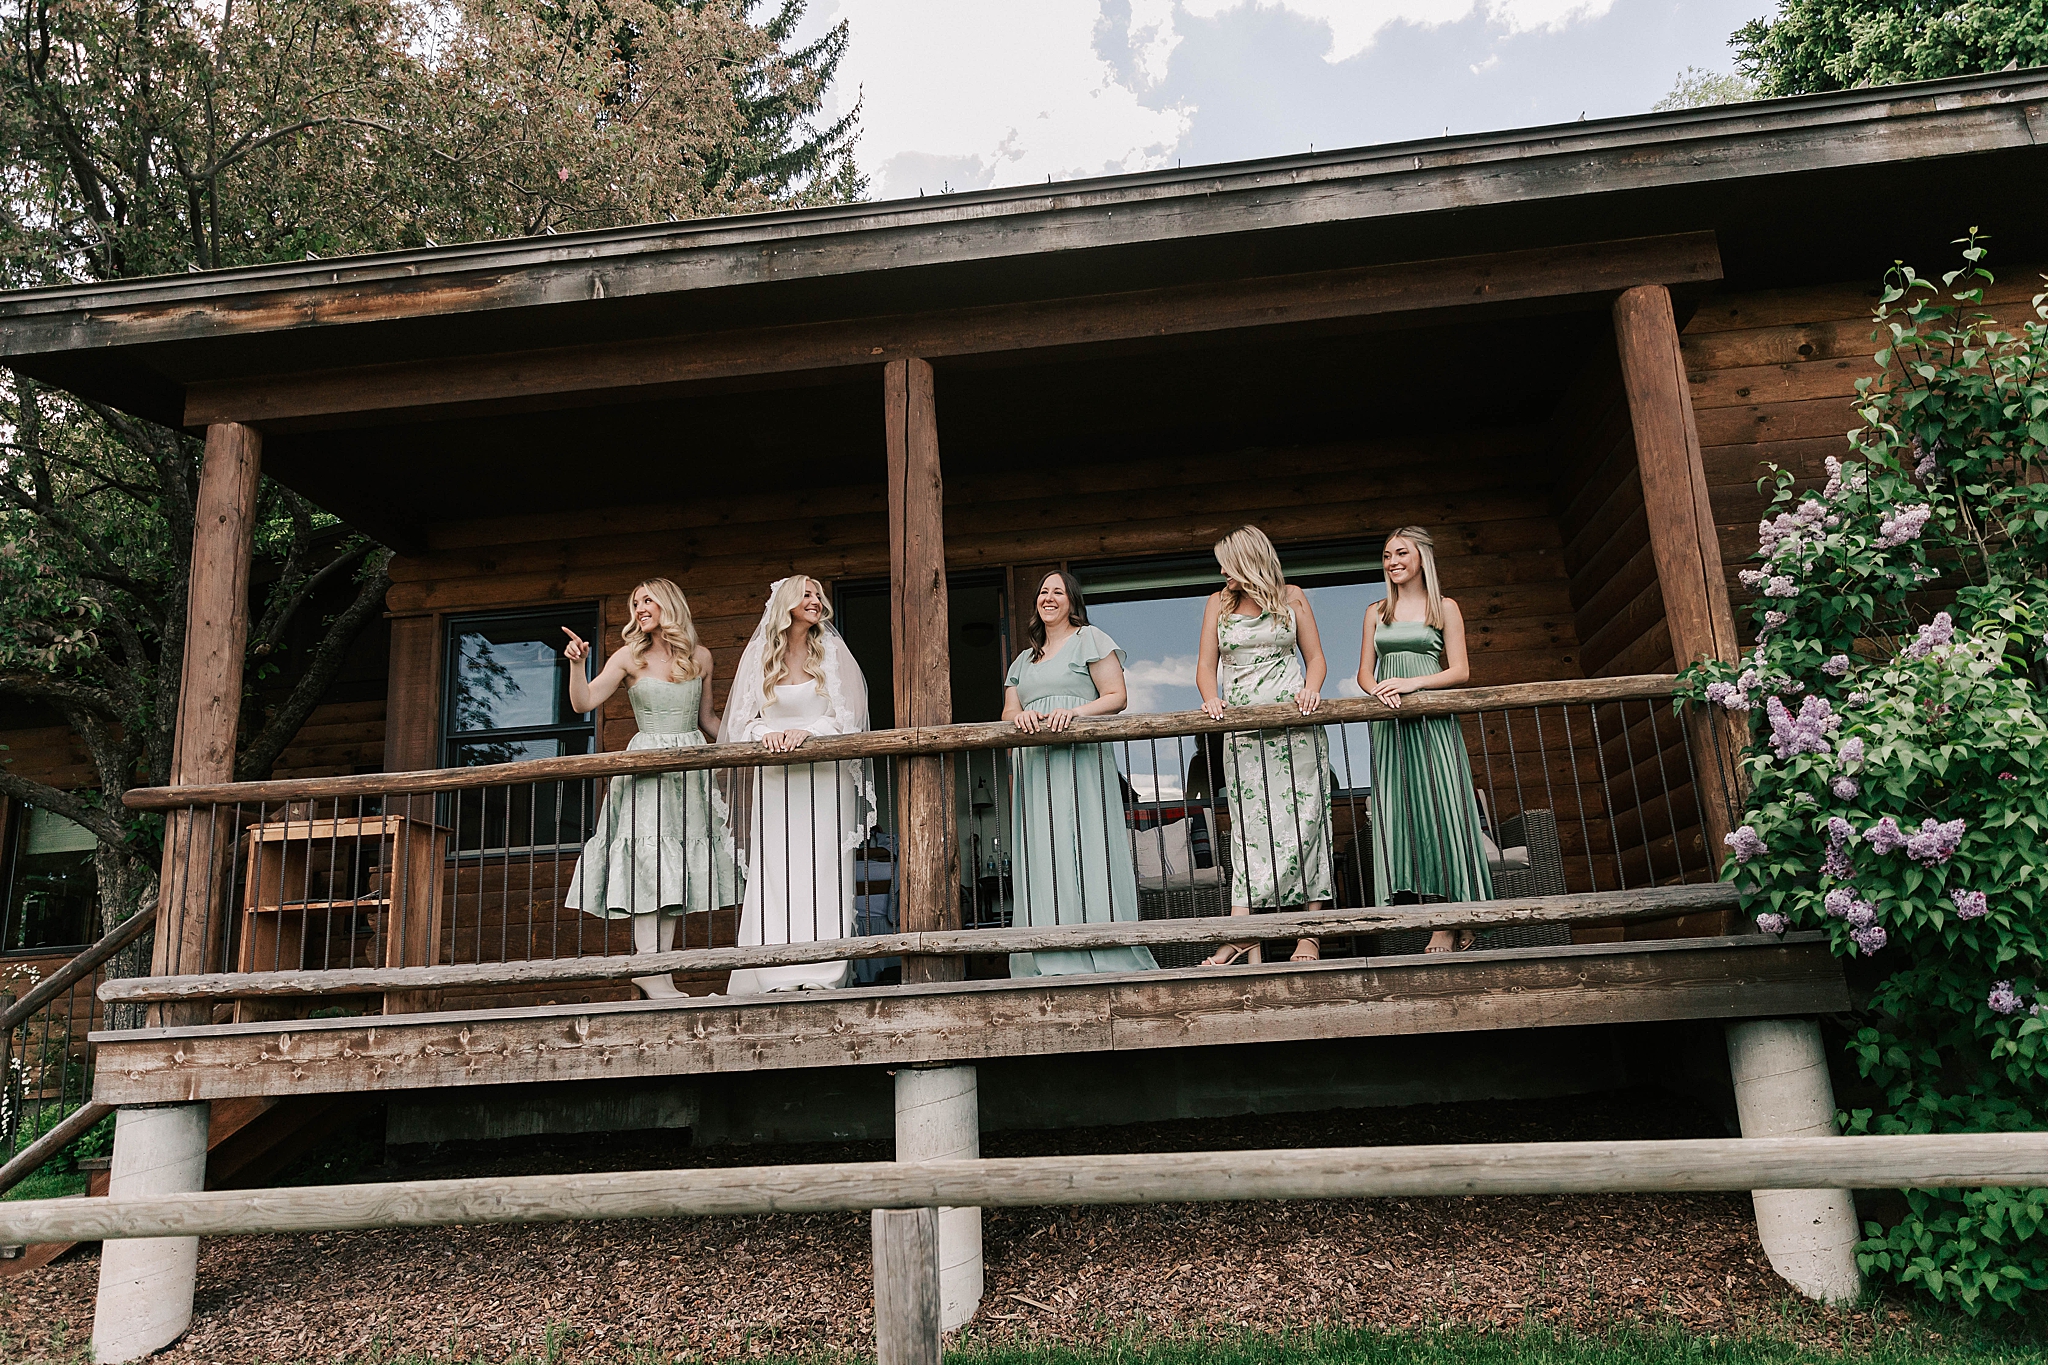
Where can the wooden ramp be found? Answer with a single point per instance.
(1735, 977)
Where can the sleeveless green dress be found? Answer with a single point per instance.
(1278, 780)
(662, 844)
(1070, 846)
(1425, 815)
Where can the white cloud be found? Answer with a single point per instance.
(1147, 679)
(976, 92)
(1353, 24)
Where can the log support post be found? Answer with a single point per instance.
(1782, 1090)
(198, 844)
(1682, 538)
(906, 1286)
(145, 1293)
(938, 1118)
(929, 895)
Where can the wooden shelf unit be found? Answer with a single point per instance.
(311, 879)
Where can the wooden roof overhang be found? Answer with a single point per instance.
(480, 378)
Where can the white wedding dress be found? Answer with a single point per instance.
(799, 858)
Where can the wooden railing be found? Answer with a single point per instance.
(407, 884)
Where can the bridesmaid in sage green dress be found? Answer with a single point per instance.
(1069, 843)
(1425, 827)
(662, 846)
(1259, 646)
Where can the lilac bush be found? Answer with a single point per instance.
(1898, 764)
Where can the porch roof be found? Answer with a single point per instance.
(1816, 188)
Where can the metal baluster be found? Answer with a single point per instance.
(1635, 784)
(1579, 796)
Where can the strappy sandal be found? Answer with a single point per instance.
(1230, 954)
(1307, 950)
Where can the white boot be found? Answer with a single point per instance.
(655, 933)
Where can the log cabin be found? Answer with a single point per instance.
(1569, 351)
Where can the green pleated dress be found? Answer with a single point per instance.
(1070, 845)
(1425, 814)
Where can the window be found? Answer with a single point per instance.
(507, 700)
(1153, 608)
(52, 890)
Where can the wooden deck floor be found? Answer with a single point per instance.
(1511, 988)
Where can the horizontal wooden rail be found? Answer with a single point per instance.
(939, 739)
(1510, 1168)
(1643, 903)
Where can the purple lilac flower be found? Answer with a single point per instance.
(1746, 843)
(2002, 999)
(1940, 631)
(1860, 914)
(1870, 938)
(1781, 586)
(1772, 620)
(1728, 695)
(1805, 733)
(1771, 922)
(1837, 666)
(1837, 902)
(1840, 481)
(1837, 864)
(1844, 788)
(1936, 842)
(1850, 754)
(1885, 836)
(1925, 465)
(1970, 904)
(1751, 578)
(1840, 831)
(1904, 525)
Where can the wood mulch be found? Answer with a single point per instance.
(799, 1285)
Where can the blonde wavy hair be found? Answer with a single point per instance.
(1249, 557)
(781, 607)
(1432, 591)
(677, 630)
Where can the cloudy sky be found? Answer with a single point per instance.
(972, 93)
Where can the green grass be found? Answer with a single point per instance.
(1925, 1340)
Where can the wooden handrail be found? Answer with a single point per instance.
(1920, 1161)
(937, 739)
(87, 962)
(1642, 903)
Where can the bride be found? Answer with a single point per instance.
(797, 679)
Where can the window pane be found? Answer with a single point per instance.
(53, 895)
(525, 814)
(509, 673)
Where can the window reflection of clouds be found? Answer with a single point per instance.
(506, 685)
(1159, 636)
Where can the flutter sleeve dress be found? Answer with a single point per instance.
(1425, 814)
(1278, 781)
(1070, 845)
(662, 844)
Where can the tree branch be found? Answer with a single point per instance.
(284, 723)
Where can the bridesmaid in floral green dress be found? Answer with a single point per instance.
(1278, 781)
(1425, 827)
(1071, 847)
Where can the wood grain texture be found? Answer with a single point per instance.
(634, 368)
(1691, 1165)
(1643, 901)
(196, 843)
(934, 740)
(1715, 978)
(906, 1255)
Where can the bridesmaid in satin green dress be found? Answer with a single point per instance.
(1070, 845)
(1425, 827)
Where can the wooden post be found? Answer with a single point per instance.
(923, 666)
(198, 844)
(1681, 525)
(906, 1286)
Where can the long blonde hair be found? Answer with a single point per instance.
(781, 607)
(1249, 557)
(677, 630)
(1432, 591)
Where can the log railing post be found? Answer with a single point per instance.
(198, 843)
(923, 666)
(1683, 542)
